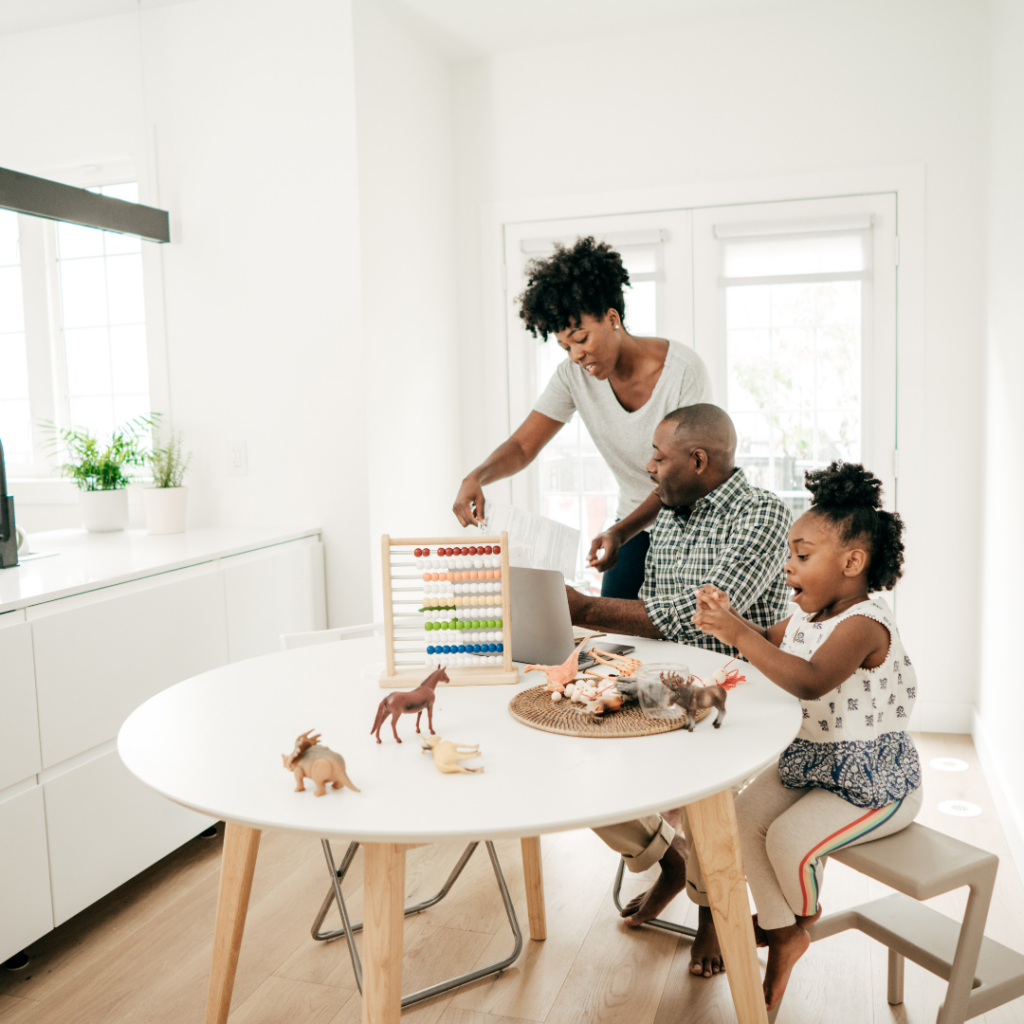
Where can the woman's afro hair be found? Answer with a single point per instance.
(586, 279)
(850, 498)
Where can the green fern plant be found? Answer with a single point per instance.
(169, 462)
(94, 467)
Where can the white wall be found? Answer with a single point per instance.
(251, 104)
(824, 89)
(1001, 698)
(406, 205)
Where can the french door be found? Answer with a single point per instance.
(791, 305)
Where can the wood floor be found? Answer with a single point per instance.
(142, 954)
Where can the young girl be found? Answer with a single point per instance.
(852, 774)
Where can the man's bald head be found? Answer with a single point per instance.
(694, 452)
(709, 427)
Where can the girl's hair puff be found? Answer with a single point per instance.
(587, 278)
(850, 498)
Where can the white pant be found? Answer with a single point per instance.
(787, 834)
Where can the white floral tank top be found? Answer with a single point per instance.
(853, 741)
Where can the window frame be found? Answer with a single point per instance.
(47, 371)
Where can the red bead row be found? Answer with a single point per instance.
(449, 552)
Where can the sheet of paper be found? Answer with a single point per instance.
(535, 542)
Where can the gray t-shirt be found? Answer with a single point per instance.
(624, 438)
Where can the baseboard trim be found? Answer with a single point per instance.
(1010, 814)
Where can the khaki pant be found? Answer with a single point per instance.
(643, 842)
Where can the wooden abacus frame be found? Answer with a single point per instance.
(401, 676)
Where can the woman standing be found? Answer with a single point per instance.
(621, 385)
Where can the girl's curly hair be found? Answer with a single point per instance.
(586, 279)
(850, 498)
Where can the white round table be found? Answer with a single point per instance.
(214, 743)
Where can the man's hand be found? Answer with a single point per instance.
(610, 542)
(470, 493)
(714, 616)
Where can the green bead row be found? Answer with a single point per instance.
(464, 624)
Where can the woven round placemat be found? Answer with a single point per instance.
(535, 708)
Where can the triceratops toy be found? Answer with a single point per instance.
(309, 760)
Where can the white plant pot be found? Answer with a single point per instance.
(104, 511)
(165, 509)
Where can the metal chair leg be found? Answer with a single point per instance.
(349, 930)
(656, 922)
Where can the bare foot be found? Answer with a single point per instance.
(672, 882)
(785, 947)
(705, 953)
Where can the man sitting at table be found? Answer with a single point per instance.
(713, 528)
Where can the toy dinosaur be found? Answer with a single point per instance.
(447, 755)
(309, 760)
(692, 699)
(559, 676)
(408, 702)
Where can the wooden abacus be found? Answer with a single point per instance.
(432, 587)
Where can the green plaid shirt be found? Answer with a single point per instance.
(736, 538)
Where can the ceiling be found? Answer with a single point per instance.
(467, 28)
(479, 27)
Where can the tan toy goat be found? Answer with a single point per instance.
(309, 760)
(447, 755)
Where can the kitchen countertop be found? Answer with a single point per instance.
(90, 561)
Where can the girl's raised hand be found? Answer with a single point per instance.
(710, 596)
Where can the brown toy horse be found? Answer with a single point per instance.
(407, 702)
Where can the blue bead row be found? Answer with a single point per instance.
(467, 649)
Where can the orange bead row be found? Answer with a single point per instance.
(458, 577)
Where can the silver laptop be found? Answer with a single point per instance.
(541, 626)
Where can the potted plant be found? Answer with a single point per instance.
(100, 472)
(165, 502)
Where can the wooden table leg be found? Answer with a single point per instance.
(238, 862)
(533, 874)
(716, 837)
(384, 914)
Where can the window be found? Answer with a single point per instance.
(793, 331)
(103, 322)
(73, 339)
(15, 412)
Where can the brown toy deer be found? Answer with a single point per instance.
(408, 702)
(309, 760)
(694, 698)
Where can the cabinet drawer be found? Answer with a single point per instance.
(99, 656)
(104, 827)
(19, 723)
(267, 593)
(25, 911)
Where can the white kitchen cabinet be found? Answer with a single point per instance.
(19, 723)
(99, 656)
(273, 591)
(25, 911)
(105, 826)
(88, 635)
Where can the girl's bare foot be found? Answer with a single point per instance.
(785, 947)
(671, 883)
(705, 954)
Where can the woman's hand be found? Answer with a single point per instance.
(610, 541)
(471, 494)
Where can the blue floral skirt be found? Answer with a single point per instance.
(865, 773)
